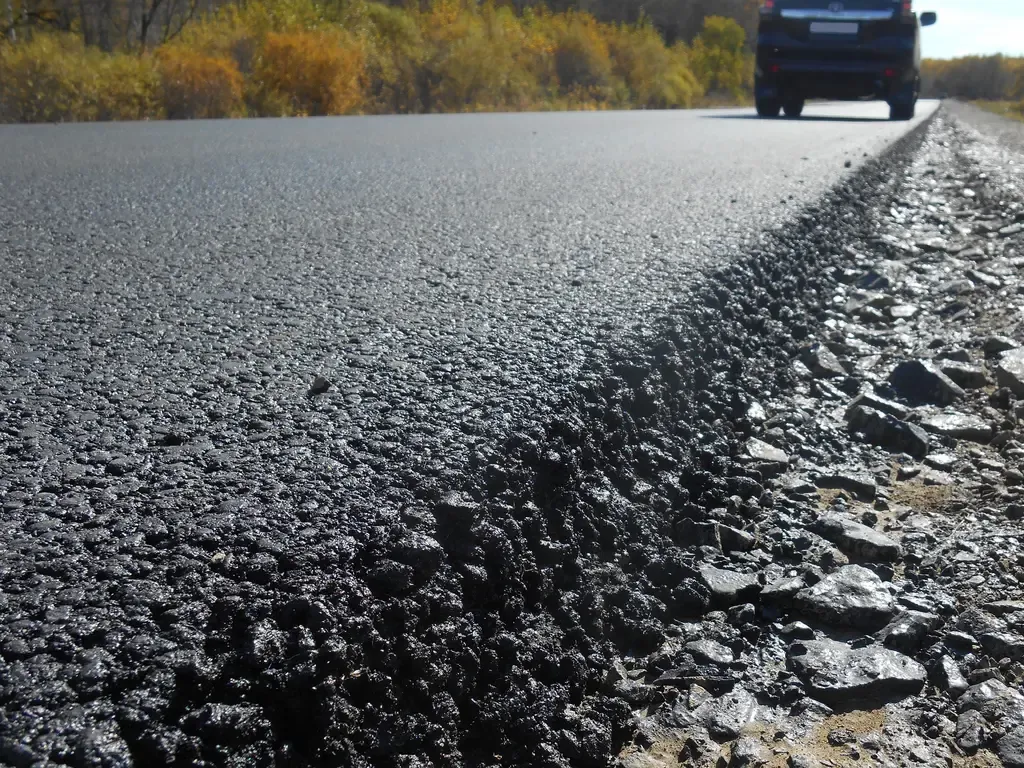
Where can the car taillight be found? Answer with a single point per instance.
(767, 7)
(908, 7)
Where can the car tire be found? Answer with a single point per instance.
(793, 107)
(768, 108)
(898, 111)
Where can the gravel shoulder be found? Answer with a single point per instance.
(886, 628)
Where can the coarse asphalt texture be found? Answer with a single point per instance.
(202, 564)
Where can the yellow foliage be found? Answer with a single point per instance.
(314, 73)
(127, 88)
(582, 59)
(657, 77)
(197, 86)
(311, 57)
(55, 78)
(989, 78)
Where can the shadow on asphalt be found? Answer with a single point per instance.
(802, 119)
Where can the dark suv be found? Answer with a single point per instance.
(849, 50)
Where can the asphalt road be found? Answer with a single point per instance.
(169, 291)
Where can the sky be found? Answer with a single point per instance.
(973, 26)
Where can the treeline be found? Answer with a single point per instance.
(304, 57)
(126, 24)
(985, 78)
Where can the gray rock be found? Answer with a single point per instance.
(1003, 645)
(941, 461)
(933, 245)
(949, 677)
(993, 345)
(978, 621)
(960, 426)
(920, 381)
(735, 540)
(869, 400)
(853, 596)
(984, 278)
(757, 414)
(707, 676)
(1004, 607)
(971, 731)
(729, 587)
(858, 541)
(1010, 372)
(836, 673)
(902, 311)
(996, 702)
(934, 477)
(710, 651)
(861, 486)
(763, 453)
(889, 432)
(726, 716)
(782, 591)
(906, 632)
(823, 363)
(797, 630)
(748, 753)
(1010, 748)
(966, 375)
(803, 761)
(319, 386)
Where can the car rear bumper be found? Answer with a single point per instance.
(831, 79)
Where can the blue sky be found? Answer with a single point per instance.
(973, 26)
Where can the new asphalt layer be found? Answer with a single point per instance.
(201, 563)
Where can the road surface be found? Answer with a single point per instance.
(169, 292)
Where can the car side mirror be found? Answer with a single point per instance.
(928, 18)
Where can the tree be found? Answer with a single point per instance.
(720, 60)
(9, 19)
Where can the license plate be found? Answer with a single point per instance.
(834, 27)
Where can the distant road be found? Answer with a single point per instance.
(168, 291)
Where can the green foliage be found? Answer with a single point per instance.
(1011, 109)
(720, 60)
(313, 57)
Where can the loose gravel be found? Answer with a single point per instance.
(888, 631)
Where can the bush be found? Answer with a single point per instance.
(582, 59)
(313, 73)
(657, 77)
(196, 86)
(720, 60)
(128, 88)
(55, 78)
(311, 57)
